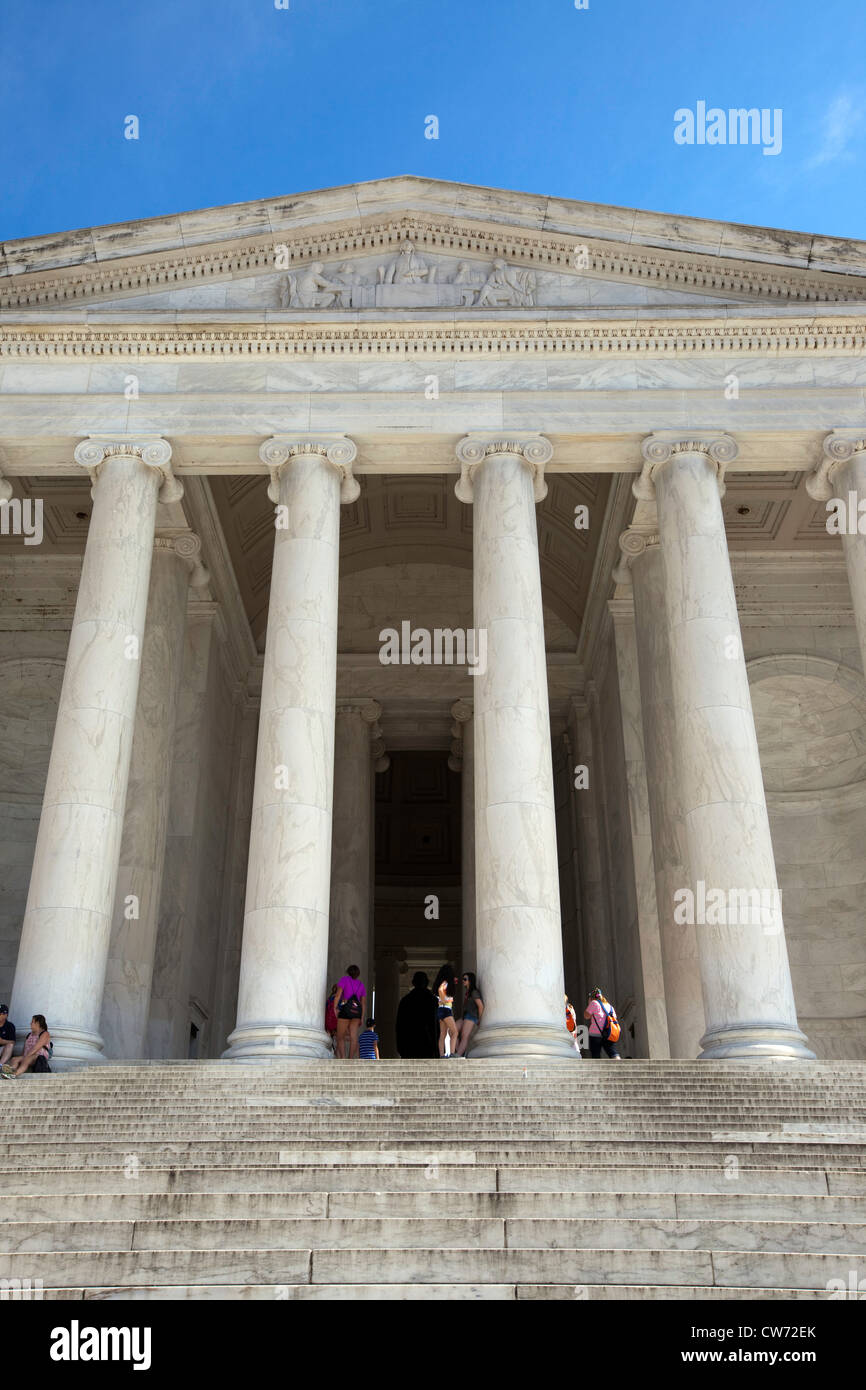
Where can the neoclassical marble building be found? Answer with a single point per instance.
(413, 571)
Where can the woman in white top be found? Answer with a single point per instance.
(444, 990)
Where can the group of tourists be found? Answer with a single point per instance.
(38, 1046)
(426, 1024)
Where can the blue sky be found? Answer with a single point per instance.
(239, 100)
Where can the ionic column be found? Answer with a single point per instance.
(67, 923)
(126, 998)
(349, 938)
(643, 568)
(842, 475)
(462, 760)
(390, 963)
(597, 944)
(746, 980)
(281, 996)
(518, 925)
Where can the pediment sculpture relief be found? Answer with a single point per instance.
(408, 281)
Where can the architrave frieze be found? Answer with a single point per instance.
(162, 270)
(408, 341)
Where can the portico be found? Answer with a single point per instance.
(217, 791)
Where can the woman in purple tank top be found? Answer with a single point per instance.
(349, 1005)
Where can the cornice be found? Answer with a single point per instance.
(427, 340)
(448, 235)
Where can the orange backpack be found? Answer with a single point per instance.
(611, 1029)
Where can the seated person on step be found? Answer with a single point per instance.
(37, 1050)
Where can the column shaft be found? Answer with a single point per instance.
(349, 937)
(518, 924)
(67, 922)
(746, 979)
(852, 479)
(648, 968)
(282, 990)
(840, 481)
(464, 726)
(597, 952)
(684, 1003)
(126, 999)
(388, 993)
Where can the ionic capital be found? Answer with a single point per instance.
(367, 709)
(336, 449)
(534, 450)
(93, 453)
(632, 543)
(461, 713)
(371, 712)
(659, 448)
(187, 547)
(381, 760)
(839, 448)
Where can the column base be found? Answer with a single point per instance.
(756, 1042)
(277, 1042)
(75, 1048)
(523, 1040)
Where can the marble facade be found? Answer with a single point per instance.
(263, 434)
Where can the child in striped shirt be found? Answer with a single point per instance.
(368, 1043)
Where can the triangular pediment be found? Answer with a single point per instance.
(409, 244)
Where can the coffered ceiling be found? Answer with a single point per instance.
(407, 543)
(417, 522)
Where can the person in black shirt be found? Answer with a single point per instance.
(416, 1020)
(7, 1035)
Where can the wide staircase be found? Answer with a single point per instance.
(423, 1180)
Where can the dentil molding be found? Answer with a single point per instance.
(532, 249)
(410, 341)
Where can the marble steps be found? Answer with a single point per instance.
(106, 1182)
(457, 1264)
(35, 1091)
(571, 1081)
(272, 1123)
(211, 1067)
(397, 1116)
(323, 1110)
(439, 1293)
(209, 1076)
(415, 1233)
(297, 1181)
(133, 1206)
(164, 1155)
(158, 1153)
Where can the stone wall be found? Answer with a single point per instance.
(35, 610)
(811, 719)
